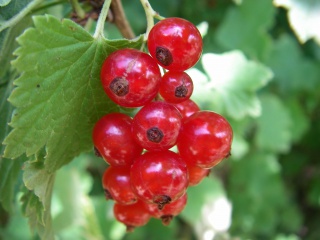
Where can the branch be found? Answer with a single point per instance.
(120, 19)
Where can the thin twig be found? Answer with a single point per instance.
(121, 20)
(150, 14)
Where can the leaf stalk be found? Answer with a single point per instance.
(102, 19)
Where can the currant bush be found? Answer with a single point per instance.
(169, 210)
(187, 108)
(130, 77)
(175, 43)
(156, 126)
(196, 174)
(117, 185)
(134, 215)
(145, 179)
(176, 87)
(112, 139)
(159, 177)
(205, 139)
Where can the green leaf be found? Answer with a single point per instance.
(274, 125)
(284, 237)
(8, 44)
(240, 145)
(304, 18)
(59, 96)
(206, 192)
(9, 178)
(261, 203)
(73, 210)
(5, 110)
(300, 121)
(38, 179)
(293, 72)
(38, 215)
(9, 169)
(245, 27)
(4, 2)
(37, 201)
(232, 85)
(13, 8)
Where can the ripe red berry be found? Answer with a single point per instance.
(156, 126)
(176, 44)
(187, 108)
(130, 77)
(205, 139)
(169, 210)
(113, 140)
(134, 215)
(117, 186)
(159, 177)
(176, 87)
(196, 174)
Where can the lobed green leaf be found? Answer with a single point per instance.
(304, 18)
(245, 27)
(9, 169)
(38, 213)
(233, 84)
(58, 96)
(294, 73)
(253, 184)
(274, 125)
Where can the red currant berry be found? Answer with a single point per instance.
(156, 126)
(159, 177)
(176, 87)
(130, 77)
(117, 186)
(169, 210)
(176, 44)
(113, 140)
(187, 108)
(205, 139)
(134, 215)
(196, 174)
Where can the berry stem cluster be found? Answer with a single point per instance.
(146, 178)
(150, 15)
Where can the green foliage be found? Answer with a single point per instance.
(253, 186)
(290, 67)
(233, 92)
(9, 8)
(260, 68)
(245, 27)
(273, 126)
(304, 18)
(4, 2)
(56, 103)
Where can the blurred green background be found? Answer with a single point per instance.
(260, 69)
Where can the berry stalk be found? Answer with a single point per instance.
(150, 15)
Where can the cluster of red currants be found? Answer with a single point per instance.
(145, 178)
